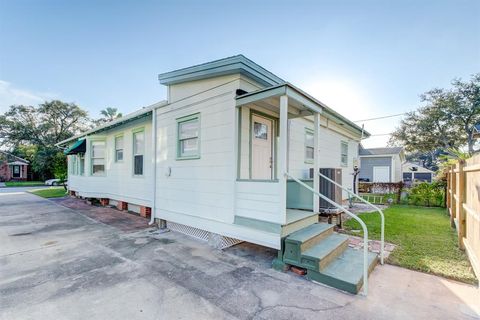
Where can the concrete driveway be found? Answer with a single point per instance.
(56, 263)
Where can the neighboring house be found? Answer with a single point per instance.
(214, 155)
(414, 172)
(381, 164)
(476, 131)
(12, 167)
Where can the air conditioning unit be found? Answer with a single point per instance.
(328, 189)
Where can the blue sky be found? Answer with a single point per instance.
(362, 58)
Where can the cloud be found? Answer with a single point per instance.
(10, 95)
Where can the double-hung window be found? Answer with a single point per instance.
(138, 152)
(81, 158)
(309, 146)
(118, 148)
(97, 155)
(188, 133)
(344, 153)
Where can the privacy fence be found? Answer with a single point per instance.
(463, 204)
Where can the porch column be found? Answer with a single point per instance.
(282, 158)
(316, 160)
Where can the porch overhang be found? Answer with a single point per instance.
(78, 147)
(300, 98)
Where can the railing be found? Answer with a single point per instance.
(382, 217)
(362, 224)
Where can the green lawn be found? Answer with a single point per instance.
(425, 241)
(23, 183)
(52, 192)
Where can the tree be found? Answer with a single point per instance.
(445, 122)
(33, 131)
(109, 114)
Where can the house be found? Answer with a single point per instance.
(381, 164)
(414, 172)
(215, 158)
(476, 131)
(12, 167)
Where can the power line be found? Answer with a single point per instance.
(384, 117)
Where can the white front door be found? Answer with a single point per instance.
(262, 148)
(381, 174)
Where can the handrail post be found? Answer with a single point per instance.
(382, 217)
(360, 221)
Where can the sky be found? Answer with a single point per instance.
(364, 59)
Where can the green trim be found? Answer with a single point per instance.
(262, 225)
(275, 132)
(189, 118)
(312, 132)
(134, 132)
(239, 143)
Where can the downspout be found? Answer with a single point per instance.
(154, 161)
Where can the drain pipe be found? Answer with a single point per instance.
(154, 160)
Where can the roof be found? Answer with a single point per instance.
(115, 123)
(226, 66)
(477, 127)
(379, 151)
(406, 166)
(301, 96)
(10, 158)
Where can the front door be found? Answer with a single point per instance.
(262, 148)
(16, 171)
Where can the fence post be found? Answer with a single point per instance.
(461, 214)
(452, 206)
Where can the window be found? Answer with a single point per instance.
(98, 158)
(188, 146)
(260, 130)
(81, 158)
(344, 154)
(74, 165)
(138, 152)
(309, 146)
(118, 148)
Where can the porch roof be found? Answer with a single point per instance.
(302, 101)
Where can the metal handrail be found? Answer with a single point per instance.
(364, 227)
(382, 217)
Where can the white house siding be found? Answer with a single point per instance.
(331, 137)
(397, 169)
(118, 183)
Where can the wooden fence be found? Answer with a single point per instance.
(463, 205)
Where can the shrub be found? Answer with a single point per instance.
(427, 194)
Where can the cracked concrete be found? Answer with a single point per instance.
(58, 263)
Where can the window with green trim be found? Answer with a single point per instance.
(97, 156)
(188, 135)
(81, 158)
(309, 145)
(344, 153)
(138, 152)
(118, 148)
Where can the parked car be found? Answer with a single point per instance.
(53, 182)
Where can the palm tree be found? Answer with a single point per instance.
(110, 114)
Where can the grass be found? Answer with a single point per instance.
(24, 183)
(425, 241)
(52, 192)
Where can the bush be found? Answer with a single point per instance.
(427, 194)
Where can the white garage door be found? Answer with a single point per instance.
(381, 174)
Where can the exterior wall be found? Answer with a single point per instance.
(331, 138)
(397, 169)
(4, 171)
(119, 183)
(367, 164)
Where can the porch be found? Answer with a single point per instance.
(268, 148)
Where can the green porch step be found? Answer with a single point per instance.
(303, 239)
(321, 254)
(346, 271)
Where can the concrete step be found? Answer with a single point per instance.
(320, 255)
(345, 272)
(303, 239)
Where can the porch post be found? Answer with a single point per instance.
(282, 158)
(316, 161)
